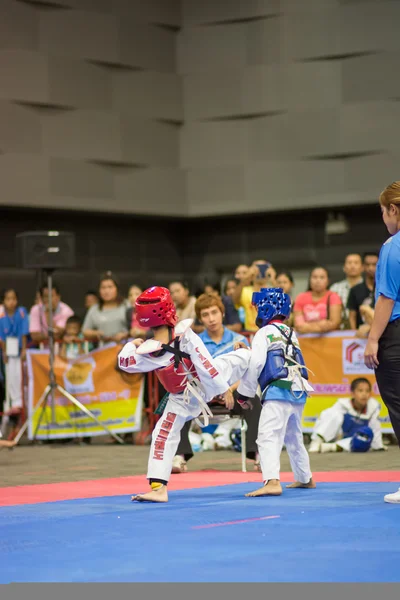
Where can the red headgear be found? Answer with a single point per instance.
(154, 307)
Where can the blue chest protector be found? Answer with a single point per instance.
(278, 361)
(352, 425)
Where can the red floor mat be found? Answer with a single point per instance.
(52, 492)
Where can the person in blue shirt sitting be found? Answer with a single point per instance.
(218, 339)
(277, 365)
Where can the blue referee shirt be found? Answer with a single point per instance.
(388, 274)
(225, 345)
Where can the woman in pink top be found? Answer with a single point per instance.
(318, 310)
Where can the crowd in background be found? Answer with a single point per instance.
(109, 316)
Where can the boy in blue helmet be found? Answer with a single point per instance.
(277, 365)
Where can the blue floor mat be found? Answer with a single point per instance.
(338, 532)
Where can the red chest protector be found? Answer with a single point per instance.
(174, 379)
(174, 376)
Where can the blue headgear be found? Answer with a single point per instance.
(271, 303)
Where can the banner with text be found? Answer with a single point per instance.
(336, 360)
(114, 397)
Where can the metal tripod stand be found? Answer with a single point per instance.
(53, 386)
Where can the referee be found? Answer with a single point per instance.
(382, 352)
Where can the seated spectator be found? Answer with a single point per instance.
(351, 424)
(91, 299)
(39, 316)
(218, 340)
(73, 343)
(14, 329)
(262, 275)
(231, 318)
(318, 310)
(106, 321)
(135, 330)
(183, 301)
(362, 295)
(352, 268)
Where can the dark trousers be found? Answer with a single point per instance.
(251, 417)
(388, 373)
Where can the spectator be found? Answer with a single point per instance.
(229, 290)
(184, 302)
(106, 321)
(231, 318)
(91, 299)
(285, 280)
(39, 316)
(362, 295)
(14, 329)
(351, 424)
(218, 340)
(135, 330)
(243, 275)
(262, 275)
(318, 310)
(73, 340)
(352, 268)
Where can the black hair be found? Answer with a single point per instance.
(356, 382)
(286, 274)
(184, 284)
(364, 256)
(6, 291)
(312, 271)
(54, 286)
(74, 320)
(92, 293)
(108, 276)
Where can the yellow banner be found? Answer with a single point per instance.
(336, 360)
(115, 398)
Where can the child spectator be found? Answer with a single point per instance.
(14, 328)
(73, 341)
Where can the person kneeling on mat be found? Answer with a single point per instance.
(351, 424)
(277, 365)
(187, 371)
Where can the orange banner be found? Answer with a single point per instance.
(336, 360)
(114, 397)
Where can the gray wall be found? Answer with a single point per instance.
(90, 105)
(285, 103)
(288, 103)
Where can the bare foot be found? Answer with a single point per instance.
(7, 443)
(309, 486)
(160, 495)
(272, 488)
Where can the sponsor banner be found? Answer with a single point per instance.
(335, 360)
(114, 397)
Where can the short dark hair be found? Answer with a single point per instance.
(74, 320)
(92, 293)
(286, 274)
(5, 292)
(54, 286)
(370, 254)
(356, 382)
(179, 282)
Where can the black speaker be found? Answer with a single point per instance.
(46, 250)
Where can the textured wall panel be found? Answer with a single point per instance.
(148, 94)
(19, 26)
(149, 142)
(205, 144)
(210, 11)
(373, 77)
(146, 46)
(24, 76)
(26, 138)
(80, 179)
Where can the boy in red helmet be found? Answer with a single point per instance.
(186, 370)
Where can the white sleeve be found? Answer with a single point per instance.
(132, 362)
(375, 424)
(259, 350)
(211, 379)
